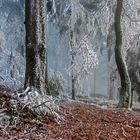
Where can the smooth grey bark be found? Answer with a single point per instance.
(36, 57)
(125, 92)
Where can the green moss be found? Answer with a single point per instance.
(30, 67)
(125, 92)
(42, 52)
(36, 62)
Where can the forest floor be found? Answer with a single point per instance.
(80, 122)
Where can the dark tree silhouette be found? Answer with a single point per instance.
(36, 58)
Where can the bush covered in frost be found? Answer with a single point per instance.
(56, 84)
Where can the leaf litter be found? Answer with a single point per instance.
(81, 121)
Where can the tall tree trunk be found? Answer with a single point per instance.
(125, 92)
(36, 58)
(72, 77)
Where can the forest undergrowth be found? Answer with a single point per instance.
(79, 121)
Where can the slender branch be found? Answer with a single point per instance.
(40, 104)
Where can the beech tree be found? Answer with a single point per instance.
(36, 58)
(83, 58)
(125, 91)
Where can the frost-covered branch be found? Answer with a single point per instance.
(41, 104)
(37, 105)
(85, 60)
(129, 16)
(130, 24)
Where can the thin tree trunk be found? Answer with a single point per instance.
(36, 58)
(125, 93)
(73, 78)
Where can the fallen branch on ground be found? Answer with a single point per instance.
(38, 106)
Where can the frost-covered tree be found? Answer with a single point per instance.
(36, 58)
(125, 91)
(131, 43)
(83, 57)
